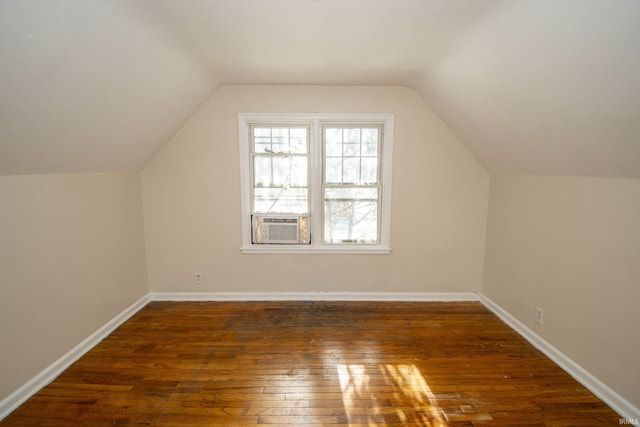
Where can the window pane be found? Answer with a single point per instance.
(262, 132)
(275, 171)
(281, 171)
(261, 147)
(298, 141)
(280, 184)
(351, 135)
(298, 145)
(280, 139)
(369, 171)
(279, 144)
(262, 174)
(298, 132)
(351, 172)
(333, 149)
(299, 174)
(281, 200)
(333, 135)
(351, 149)
(370, 136)
(280, 132)
(350, 221)
(351, 215)
(370, 149)
(358, 150)
(333, 170)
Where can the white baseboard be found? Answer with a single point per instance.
(313, 296)
(18, 397)
(619, 404)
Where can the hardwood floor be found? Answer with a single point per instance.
(320, 363)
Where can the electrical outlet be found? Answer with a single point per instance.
(197, 278)
(539, 315)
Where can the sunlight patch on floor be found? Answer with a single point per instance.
(388, 392)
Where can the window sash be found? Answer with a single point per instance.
(347, 219)
(351, 152)
(348, 150)
(277, 151)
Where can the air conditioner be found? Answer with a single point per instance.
(282, 229)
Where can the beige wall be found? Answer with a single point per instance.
(191, 194)
(571, 246)
(71, 259)
(73, 246)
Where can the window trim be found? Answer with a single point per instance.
(315, 123)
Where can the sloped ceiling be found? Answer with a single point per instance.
(529, 86)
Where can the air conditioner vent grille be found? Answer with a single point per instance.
(288, 232)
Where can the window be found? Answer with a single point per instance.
(315, 183)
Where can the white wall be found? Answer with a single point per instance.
(571, 246)
(192, 204)
(71, 259)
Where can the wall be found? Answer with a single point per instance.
(571, 246)
(71, 257)
(191, 194)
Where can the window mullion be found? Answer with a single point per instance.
(317, 184)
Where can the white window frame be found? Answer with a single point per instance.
(316, 170)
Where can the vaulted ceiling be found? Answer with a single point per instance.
(529, 86)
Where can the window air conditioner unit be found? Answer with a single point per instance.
(282, 229)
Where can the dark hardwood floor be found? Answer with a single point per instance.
(321, 363)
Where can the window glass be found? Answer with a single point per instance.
(351, 215)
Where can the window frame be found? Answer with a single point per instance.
(316, 123)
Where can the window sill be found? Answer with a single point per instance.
(310, 250)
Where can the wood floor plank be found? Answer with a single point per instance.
(321, 363)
